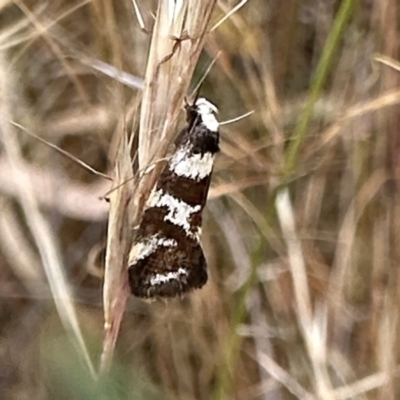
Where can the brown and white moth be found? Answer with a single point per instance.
(166, 259)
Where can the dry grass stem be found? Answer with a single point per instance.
(161, 104)
(64, 153)
(26, 264)
(119, 238)
(39, 227)
(229, 13)
(185, 23)
(284, 378)
(388, 62)
(71, 197)
(314, 330)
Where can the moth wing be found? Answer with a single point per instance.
(169, 271)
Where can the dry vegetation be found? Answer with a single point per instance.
(301, 230)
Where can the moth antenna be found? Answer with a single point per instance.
(204, 75)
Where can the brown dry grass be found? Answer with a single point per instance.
(301, 230)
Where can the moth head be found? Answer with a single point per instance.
(204, 107)
(203, 111)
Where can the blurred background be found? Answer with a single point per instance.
(302, 226)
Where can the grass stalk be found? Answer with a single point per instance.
(323, 69)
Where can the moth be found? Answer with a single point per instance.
(166, 258)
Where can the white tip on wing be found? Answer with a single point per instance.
(168, 276)
(205, 104)
(207, 111)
